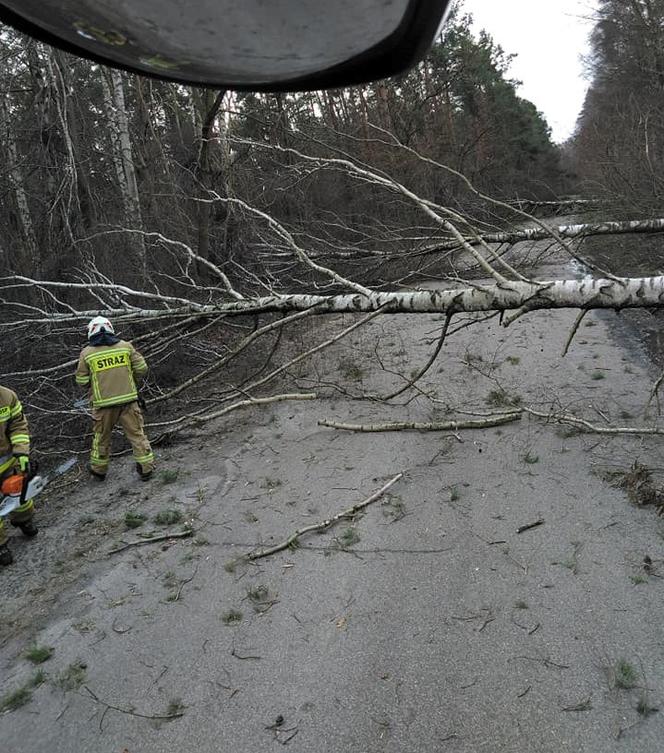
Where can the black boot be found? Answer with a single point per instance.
(6, 557)
(145, 475)
(28, 528)
(97, 476)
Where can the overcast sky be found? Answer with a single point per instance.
(549, 38)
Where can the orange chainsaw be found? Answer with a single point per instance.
(19, 487)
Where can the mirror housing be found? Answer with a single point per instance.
(242, 45)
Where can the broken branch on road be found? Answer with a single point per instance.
(495, 420)
(292, 540)
(154, 539)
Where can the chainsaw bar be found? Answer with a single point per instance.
(37, 484)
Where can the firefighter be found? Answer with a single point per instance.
(110, 368)
(14, 457)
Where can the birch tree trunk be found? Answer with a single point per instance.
(30, 257)
(114, 101)
(518, 297)
(205, 168)
(639, 292)
(64, 102)
(581, 230)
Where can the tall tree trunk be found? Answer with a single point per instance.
(114, 101)
(282, 124)
(29, 259)
(205, 170)
(68, 117)
(381, 92)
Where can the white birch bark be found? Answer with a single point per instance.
(621, 293)
(582, 230)
(123, 160)
(17, 183)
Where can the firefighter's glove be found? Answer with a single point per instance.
(23, 462)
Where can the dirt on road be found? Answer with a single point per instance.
(427, 623)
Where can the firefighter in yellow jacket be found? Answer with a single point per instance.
(110, 367)
(14, 456)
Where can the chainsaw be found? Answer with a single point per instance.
(19, 487)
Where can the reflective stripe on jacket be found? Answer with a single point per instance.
(111, 372)
(14, 432)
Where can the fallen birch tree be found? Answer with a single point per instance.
(293, 276)
(617, 293)
(579, 230)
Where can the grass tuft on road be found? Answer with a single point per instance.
(39, 654)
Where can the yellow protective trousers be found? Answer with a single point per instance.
(130, 418)
(21, 514)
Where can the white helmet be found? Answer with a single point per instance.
(99, 324)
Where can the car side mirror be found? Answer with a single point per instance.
(245, 45)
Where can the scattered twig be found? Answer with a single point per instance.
(506, 552)
(183, 583)
(278, 722)
(621, 730)
(654, 393)
(583, 705)
(154, 539)
(128, 712)
(528, 526)
(575, 327)
(586, 426)
(421, 372)
(486, 622)
(487, 541)
(546, 661)
(244, 658)
(529, 629)
(292, 540)
(286, 740)
(602, 414)
(277, 729)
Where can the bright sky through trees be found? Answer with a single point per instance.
(549, 40)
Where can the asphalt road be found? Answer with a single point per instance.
(426, 624)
